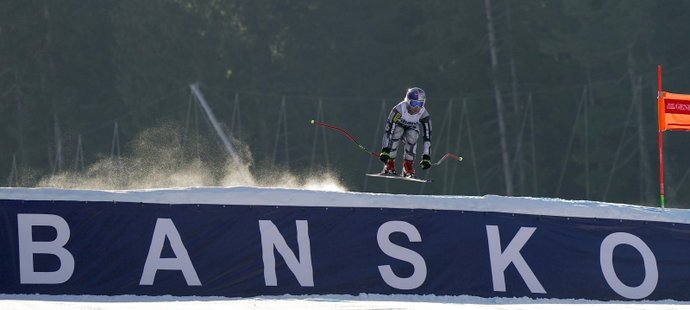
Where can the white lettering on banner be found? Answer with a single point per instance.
(650, 268)
(501, 260)
(165, 228)
(271, 238)
(678, 106)
(393, 250)
(28, 247)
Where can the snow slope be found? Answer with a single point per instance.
(302, 197)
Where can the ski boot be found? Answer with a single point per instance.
(408, 169)
(389, 168)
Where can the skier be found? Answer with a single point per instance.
(404, 123)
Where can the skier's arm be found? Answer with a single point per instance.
(391, 124)
(425, 123)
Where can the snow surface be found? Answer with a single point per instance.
(301, 197)
(336, 302)
(245, 195)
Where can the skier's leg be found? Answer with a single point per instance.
(410, 138)
(395, 140)
(389, 167)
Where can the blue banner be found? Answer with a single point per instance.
(113, 248)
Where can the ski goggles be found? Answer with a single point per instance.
(416, 103)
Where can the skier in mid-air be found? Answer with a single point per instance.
(406, 121)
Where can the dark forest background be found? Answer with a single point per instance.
(552, 98)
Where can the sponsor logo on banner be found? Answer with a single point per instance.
(675, 106)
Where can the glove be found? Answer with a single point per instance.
(426, 162)
(385, 154)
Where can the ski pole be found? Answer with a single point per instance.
(347, 134)
(376, 154)
(448, 155)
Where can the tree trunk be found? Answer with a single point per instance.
(48, 85)
(646, 185)
(519, 154)
(58, 145)
(507, 174)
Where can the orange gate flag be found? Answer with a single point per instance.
(674, 111)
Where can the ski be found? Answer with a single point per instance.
(398, 177)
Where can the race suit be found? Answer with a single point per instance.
(403, 125)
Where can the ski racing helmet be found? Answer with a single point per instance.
(415, 99)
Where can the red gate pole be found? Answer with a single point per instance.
(661, 136)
